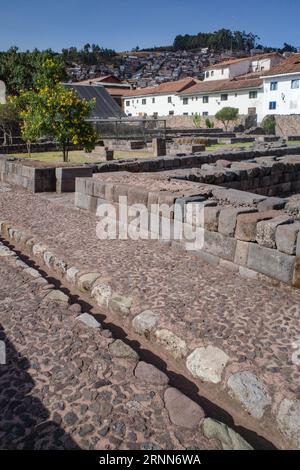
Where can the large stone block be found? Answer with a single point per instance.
(271, 203)
(271, 262)
(286, 238)
(219, 245)
(266, 230)
(228, 218)
(211, 218)
(247, 223)
(239, 198)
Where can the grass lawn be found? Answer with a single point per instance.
(78, 156)
(218, 147)
(294, 142)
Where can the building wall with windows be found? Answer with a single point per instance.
(150, 105)
(247, 101)
(282, 94)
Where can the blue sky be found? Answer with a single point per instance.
(124, 24)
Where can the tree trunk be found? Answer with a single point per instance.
(66, 150)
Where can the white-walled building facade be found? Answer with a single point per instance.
(260, 85)
(282, 88)
(161, 100)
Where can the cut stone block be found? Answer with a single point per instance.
(219, 245)
(237, 197)
(247, 223)
(266, 230)
(241, 253)
(149, 374)
(271, 262)
(211, 218)
(286, 238)
(228, 218)
(271, 203)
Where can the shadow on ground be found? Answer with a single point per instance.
(24, 420)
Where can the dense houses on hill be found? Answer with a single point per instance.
(263, 84)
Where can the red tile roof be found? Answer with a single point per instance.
(164, 88)
(104, 79)
(290, 65)
(223, 85)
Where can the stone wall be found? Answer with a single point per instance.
(255, 235)
(187, 122)
(270, 176)
(38, 177)
(287, 125)
(191, 161)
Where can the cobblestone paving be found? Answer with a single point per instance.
(64, 388)
(254, 323)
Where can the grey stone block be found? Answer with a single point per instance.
(271, 203)
(219, 245)
(271, 262)
(247, 223)
(288, 419)
(2, 353)
(286, 238)
(89, 320)
(266, 230)
(228, 218)
(241, 253)
(250, 391)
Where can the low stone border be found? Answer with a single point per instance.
(208, 364)
(183, 411)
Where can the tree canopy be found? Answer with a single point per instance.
(221, 40)
(227, 115)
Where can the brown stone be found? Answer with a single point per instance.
(150, 374)
(246, 224)
(182, 410)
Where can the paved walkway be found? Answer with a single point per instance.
(255, 324)
(66, 386)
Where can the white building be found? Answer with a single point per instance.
(2, 93)
(260, 85)
(161, 100)
(208, 97)
(282, 88)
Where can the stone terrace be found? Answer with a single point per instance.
(251, 326)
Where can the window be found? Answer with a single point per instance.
(224, 97)
(153, 100)
(171, 113)
(127, 103)
(212, 73)
(169, 99)
(185, 114)
(274, 86)
(205, 113)
(295, 84)
(144, 101)
(207, 74)
(222, 71)
(252, 95)
(185, 101)
(205, 99)
(272, 105)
